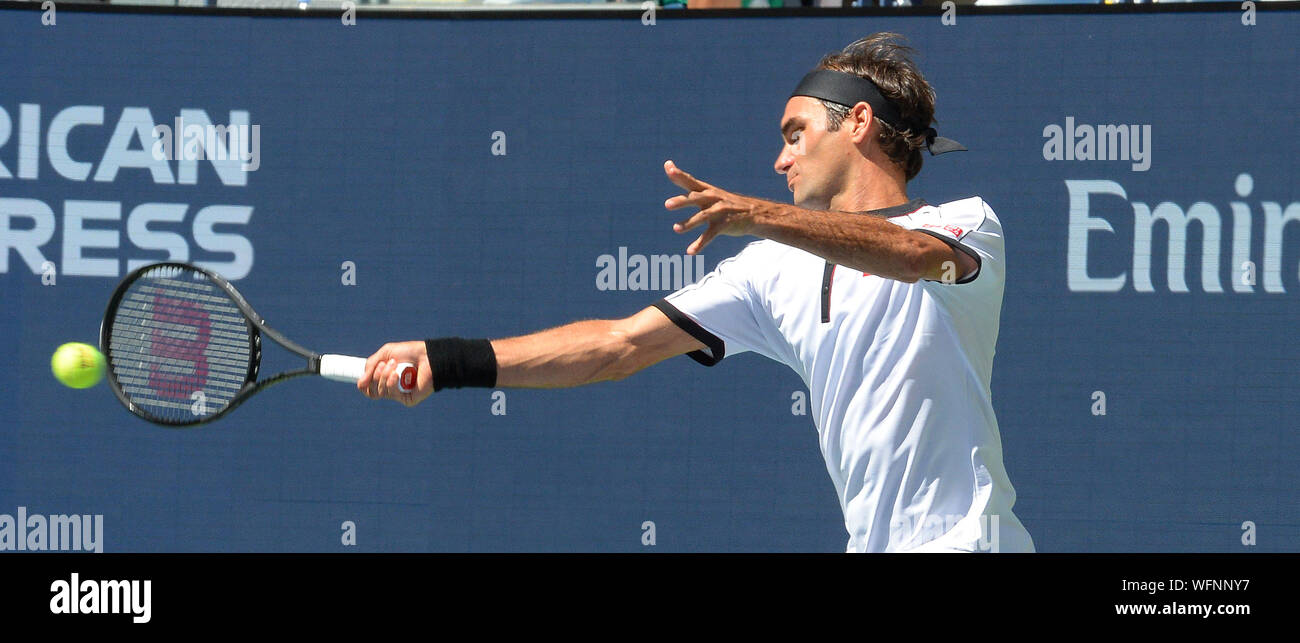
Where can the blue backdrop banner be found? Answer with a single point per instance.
(410, 178)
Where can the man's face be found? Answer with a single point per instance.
(812, 158)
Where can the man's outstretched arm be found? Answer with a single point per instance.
(582, 352)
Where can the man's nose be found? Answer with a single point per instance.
(783, 161)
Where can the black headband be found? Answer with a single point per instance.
(849, 90)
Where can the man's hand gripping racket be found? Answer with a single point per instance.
(398, 371)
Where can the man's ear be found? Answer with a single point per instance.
(863, 119)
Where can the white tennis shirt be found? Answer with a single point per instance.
(898, 375)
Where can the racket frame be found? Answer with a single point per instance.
(257, 327)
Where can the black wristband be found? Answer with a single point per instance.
(458, 362)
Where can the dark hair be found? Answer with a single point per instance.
(885, 61)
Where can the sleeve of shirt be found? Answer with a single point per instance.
(967, 225)
(719, 309)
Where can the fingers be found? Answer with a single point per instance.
(697, 199)
(386, 379)
(389, 387)
(700, 218)
(683, 180)
(381, 377)
(686, 224)
(392, 380)
(695, 220)
(367, 381)
(699, 194)
(702, 241)
(379, 382)
(423, 383)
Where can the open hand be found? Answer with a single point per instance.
(724, 212)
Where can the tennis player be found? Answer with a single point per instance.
(886, 306)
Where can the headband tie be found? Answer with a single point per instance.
(849, 90)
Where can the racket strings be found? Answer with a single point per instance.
(178, 345)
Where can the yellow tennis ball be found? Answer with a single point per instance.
(78, 365)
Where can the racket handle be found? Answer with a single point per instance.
(344, 368)
(406, 377)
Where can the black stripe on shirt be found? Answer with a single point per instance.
(979, 263)
(715, 344)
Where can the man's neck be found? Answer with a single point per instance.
(869, 204)
(874, 190)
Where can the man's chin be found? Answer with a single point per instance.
(806, 203)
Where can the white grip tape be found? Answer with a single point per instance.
(342, 368)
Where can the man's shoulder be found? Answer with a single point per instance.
(957, 217)
(968, 203)
(972, 208)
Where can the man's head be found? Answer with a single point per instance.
(824, 139)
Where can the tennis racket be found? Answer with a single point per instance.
(184, 348)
